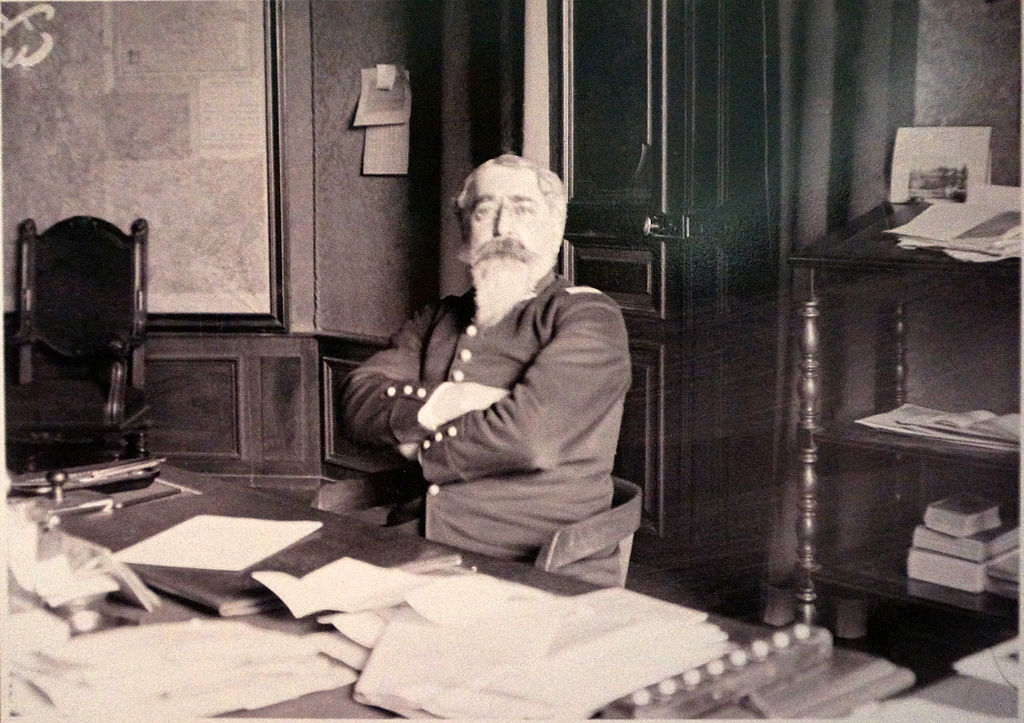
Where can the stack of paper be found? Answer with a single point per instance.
(178, 671)
(530, 656)
(977, 428)
(986, 229)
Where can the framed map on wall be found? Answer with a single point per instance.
(158, 110)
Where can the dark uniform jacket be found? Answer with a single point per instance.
(504, 478)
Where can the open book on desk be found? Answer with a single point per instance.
(977, 428)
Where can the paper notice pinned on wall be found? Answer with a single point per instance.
(384, 109)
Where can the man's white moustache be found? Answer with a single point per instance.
(504, 245)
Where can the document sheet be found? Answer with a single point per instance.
(175, 671)
(216, 542)
(528, 656)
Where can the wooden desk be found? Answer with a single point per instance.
(339, 536)
(837, 279)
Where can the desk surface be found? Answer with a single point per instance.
(862, 244)
(340, 536)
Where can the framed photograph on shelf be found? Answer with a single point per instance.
(939, 164)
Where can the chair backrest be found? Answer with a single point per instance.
(82, 289)
(607, 536)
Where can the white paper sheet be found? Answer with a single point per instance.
(386, 150)
(998, 664)
(383, 106)
(216, 542)
(182, 671)
(561, 657)
(345, 585)
(460, 600)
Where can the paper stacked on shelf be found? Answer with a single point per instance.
(985, 228)
(977, 428)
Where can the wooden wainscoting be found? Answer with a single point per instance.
(355, 477)
(237, 405)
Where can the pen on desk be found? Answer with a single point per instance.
(432, 564)
(124, 469)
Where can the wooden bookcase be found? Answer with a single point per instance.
(875, 326)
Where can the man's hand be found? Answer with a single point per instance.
(451, 400)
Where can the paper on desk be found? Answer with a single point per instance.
(915, 708)
(558, 657)
(346, 585)
(178, 671)
(363, 627)
(216, 542)
(999, 664)
(457, 601)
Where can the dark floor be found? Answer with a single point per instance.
(725, 561)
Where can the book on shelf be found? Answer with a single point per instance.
(1002, 575)
(955, 572)
(962, 514)
(978, 547)
(976, 428)
(1006, 567)
(1002, 588)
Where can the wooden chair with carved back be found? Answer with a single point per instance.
(75, 378)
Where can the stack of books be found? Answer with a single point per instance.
(965, 544)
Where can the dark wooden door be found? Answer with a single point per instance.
(667, 114)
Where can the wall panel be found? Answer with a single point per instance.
(237, 405)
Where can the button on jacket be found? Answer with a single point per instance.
(503, 479)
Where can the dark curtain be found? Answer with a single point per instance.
(847, 77)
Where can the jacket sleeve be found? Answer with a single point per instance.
(579, 377)
(379, 400)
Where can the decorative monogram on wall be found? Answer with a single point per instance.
(26, 55)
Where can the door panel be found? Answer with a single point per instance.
(666, 151)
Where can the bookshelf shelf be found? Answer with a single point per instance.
(878, 572)
(878, 326)
(855, 435)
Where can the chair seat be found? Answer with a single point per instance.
(68, 406)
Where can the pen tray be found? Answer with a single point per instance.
(119, 476)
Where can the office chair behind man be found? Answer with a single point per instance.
(597, 549)
(74, 389)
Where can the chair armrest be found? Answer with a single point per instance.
(587, 537)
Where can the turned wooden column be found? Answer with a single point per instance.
(809, 392)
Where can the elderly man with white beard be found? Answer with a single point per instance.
(510, 396)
